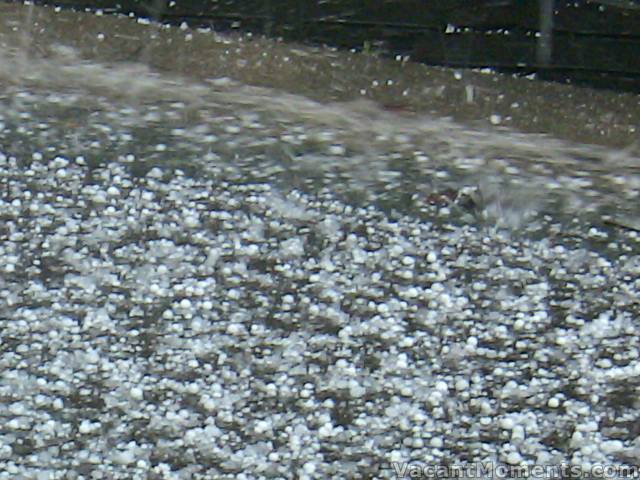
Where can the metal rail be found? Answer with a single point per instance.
(627, 4)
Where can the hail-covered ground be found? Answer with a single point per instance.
(220, 281)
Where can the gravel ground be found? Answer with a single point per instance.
(224, 281)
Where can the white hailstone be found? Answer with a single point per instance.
(59, 162)
(207, 305)
(185, 304)
(92, 357)
(126, 457)
(271, 389)
(197, 324)
(395, 456)
(212, 257)
(406, 274)
(326, 430)
(337, 150)
(58, 404)
(383, 308)
(232, 129)
(356, 390)
(461, 384)
(86, 427)
(577, 439)
(495, 119)
(236, 329)
(342, 364)
(136, 393)
(17, 408)
(345, 332)
(208, 403)
(406, 391)
(408, 261)
(15, 424)
(6, 452)
(402, 361)
(155, 173)
(436, 442)
(445, 300)
(100, 197)
(479, 286)
(309, 468)
(442, 386)
(305, 393)
(514, 458)
(113, 191)
(292, 247)
(507, 423)
(273, 456)
(191, 221)
(432, 257)
(411, 292)
(517, 434)
(37, 156)
(262, 426)
(359, 255)
(553, 402)
(611, 446)
(406, 342)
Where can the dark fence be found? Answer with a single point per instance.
(597, 41)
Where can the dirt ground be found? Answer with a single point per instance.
(484, 99)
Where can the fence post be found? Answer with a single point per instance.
(544, 47)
